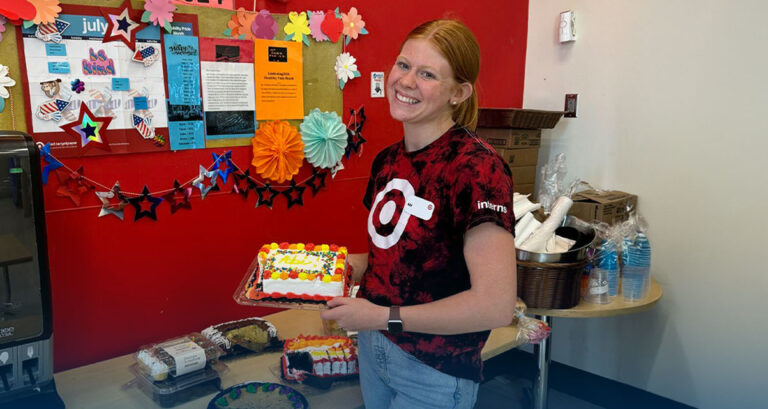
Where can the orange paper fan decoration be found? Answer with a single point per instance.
(47, 10)
(278, 151)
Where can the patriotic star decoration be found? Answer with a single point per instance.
(178, 198)
(107, 207)
(123, 26)
(143, 125)
(51, 163)
(145, 205)
(294, 194)
(199, 182)
(227, 160)
(261, 191)
(317, 181)
(243, 183)
(72, 185)
(89, 129)
(355, 138)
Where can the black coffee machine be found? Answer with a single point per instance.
(26, 328)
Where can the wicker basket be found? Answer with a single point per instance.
(550, 285)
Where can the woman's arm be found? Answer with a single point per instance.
(489, 251)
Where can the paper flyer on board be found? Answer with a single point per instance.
(185, 111)
(67, 64)
(279, 79)
(229, 101)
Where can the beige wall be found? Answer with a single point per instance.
(672, 106)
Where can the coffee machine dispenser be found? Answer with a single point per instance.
(26, 329)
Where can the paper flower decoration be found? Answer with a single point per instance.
(241, 25)
(2, 26)
(159, 12)
(18, 10)
(353, 24)
(297, 28)
(264, 26)
(277, 151)
(346, 69)
(5, 81)
(315, 22)
(325, 138)
(332, 25)
(46, 10)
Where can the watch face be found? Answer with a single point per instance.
(395, 327)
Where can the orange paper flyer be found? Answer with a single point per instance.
(279, 79)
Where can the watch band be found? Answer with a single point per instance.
(395, 323)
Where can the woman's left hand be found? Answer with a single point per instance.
(356, 314)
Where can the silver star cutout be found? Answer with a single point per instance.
(108, 208)
(199, 182)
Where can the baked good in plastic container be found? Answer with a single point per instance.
(178, 356)
(319, 360)
(295, 275)
(245, 335)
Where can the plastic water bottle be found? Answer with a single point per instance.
(636, 271)
(608, 261)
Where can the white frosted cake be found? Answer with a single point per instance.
(318, 356)
(300, 271)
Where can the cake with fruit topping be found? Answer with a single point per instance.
(310, 272)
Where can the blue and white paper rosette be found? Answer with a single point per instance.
(325, 138)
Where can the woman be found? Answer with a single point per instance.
(440, 272)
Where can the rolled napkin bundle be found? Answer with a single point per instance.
(522, 205)
(525, 227)
(537, 242)
(558, 244)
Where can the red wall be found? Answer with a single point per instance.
(118, 285)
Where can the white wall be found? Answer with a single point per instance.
(672, 106)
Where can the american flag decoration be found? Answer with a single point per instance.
(146, 54)
(143, 125)
(51, 32)
(52, 109)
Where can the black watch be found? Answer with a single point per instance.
(395, 324)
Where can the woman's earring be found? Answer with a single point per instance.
(454, 103)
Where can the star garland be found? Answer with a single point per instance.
(73, 183)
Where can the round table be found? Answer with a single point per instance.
(617, 306)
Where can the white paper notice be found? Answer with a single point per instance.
(189, 357)
(227, 86)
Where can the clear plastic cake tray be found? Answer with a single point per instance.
(249, 293)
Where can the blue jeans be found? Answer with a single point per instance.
(394, 379)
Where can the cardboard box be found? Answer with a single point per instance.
(523, 175)
(520, 157)
(610, 206)
(511, 138)
(517, 118)
(524, 189)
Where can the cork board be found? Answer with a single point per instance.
(321, 89)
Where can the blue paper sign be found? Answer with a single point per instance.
(121, 84)
(55, 50)
(140, 103)
(58, 67)
(182, 60)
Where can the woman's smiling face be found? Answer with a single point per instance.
(421, 85)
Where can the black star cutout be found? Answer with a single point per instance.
(123, 24)
(272, 194)
(298, 191)
(243, 183)
(316, 186)
(354, 136)
(137, 201)
(89, 130)
(178, 198)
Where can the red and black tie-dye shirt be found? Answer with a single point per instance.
(416, 259)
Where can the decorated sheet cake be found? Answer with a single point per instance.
(297, 274)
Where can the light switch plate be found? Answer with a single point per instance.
(377, 84)
(570, 105)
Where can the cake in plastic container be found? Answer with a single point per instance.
(177, 357)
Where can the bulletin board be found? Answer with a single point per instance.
(321, 89)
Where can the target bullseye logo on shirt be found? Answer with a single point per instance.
(412, 206)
